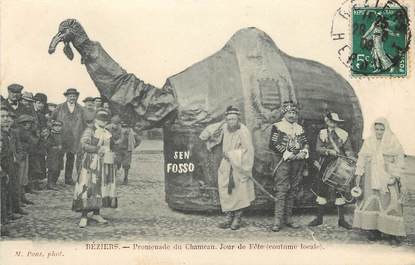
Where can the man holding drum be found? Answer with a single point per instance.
(332, 144)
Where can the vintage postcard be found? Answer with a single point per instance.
(207, 132)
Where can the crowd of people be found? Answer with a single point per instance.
(90, 145)
(39, 139)
(377, 173)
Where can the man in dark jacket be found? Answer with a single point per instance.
(10, 146)
(12, 103)
(72, 116)
(37, 162)
(4, 169)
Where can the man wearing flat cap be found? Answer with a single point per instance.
(332, 142)
(89, 108)
(27, 100)
(236, 189)
(12, 103)
(290, 145)
(71, 115)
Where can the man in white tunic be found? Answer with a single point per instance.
(236, 189)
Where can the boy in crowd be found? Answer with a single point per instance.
(125, 141)
(53, 150)
(26, 142)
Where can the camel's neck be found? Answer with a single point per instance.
(80, 41)
(82, 46)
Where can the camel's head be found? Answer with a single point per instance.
(70, 30)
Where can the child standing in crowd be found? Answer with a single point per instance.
(130, 140)
(114, 127)
(125, 141)
(51, 107)
(48, 113)
(54, 162)
(26, 141)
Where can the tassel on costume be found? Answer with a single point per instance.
(231, 184)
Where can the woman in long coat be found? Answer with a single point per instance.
(379, 170)
(95, 186)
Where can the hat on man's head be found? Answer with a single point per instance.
(70, 91)
(28, 96)
(95, 98)
(102, 114)
(41, 97)
(50, 104)
(333, 116)
(15, 88)
(289, 106)
(88, 99)
(24, 118)
(232, 110)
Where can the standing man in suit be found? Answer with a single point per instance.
(71, 114)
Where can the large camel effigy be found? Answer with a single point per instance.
(251, 72)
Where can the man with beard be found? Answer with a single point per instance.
(71, 115)
(290, 145)
(12, 103)
(236, 189)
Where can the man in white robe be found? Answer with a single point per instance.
(236, 189)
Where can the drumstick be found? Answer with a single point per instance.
(277, 166)
(312, 191)
(346, 157)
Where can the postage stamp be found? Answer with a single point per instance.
(373, 37)
(379, 41)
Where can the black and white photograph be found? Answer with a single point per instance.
(207, 132)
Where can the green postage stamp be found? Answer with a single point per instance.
(380, 41)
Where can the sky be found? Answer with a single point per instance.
(157, 39)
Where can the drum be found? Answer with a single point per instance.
(339, 174)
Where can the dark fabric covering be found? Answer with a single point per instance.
(128, 95)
